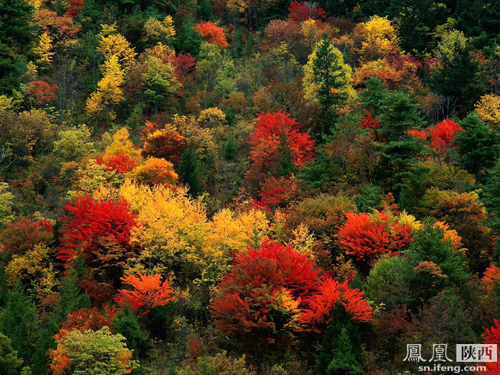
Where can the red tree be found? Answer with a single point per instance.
(367, 237)
(277, 193)
(122, 163)
(259, 299)
(148, 291)
(324, 300)
(442, 135)
(301, 11)
(492, 337)
(277, 147)
(212, 33)
(21, 235)
(74, 8)
(100, 232)
(82, 320)
(42, 92)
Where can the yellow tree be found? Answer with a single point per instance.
(488, 109)
(113, 43)
(109, 91)
(378, 39)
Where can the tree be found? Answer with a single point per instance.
(148, 291)
(278, 147)
(109, 91)
(488, 109)
(464, 213)
(492, 337)
(98, 352)
(160, 82)
(459, 76)
(156, 171)
(478, 146)
(212, 33)
(16, 37)
(258, 303)
(9, 362)
(99, 231)
(379, 39)
(344, 361)
(327, 79)
(19, 321)
(369, 236)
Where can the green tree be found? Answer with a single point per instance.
(344, 362)
(19, 321)
(459, 79)
(16, 37)
(127, 324)
(478, 146)
(93, 353)
(327, 79)
(159, 80)
(398, 150)
(9, 363)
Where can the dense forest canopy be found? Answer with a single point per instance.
(200, 187)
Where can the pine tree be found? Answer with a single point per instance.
(344, 362)
(328, 79)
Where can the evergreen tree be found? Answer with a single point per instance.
(478, 146)
(459, 79)
(344, 362)
(16, 36)
(9, 363)
(189, 173)
(398, 150)
(328, 80)
(19, 321)
(189, 39)
(127, 324)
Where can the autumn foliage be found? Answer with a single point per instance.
(492, 337)
(91, 221)
(82, 320)
(121, 162)
(21, 235)
(274, 291)
(302, 11)
(330, 292)
(147, 291)
(278, 145)
(42, 92)
(212, 33)
(369, 236)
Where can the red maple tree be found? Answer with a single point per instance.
(212, 33)
(369, 236)
(148, 291)
(93, 222)
(301, 11)
(277, 145)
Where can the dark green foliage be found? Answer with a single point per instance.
(188, 40)
(478, 146)
(16, 36)
(344, 362)
(189, 173)
(340, 331)
(229, 149)
(369, 199)
(159, 320)
(19, 321)
(459, 80)
(9, 362)
(491, 197)
(205, 11)
(127, 324)
(398, 149)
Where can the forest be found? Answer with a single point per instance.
(248, 187)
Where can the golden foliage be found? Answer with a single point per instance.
(488, 110)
